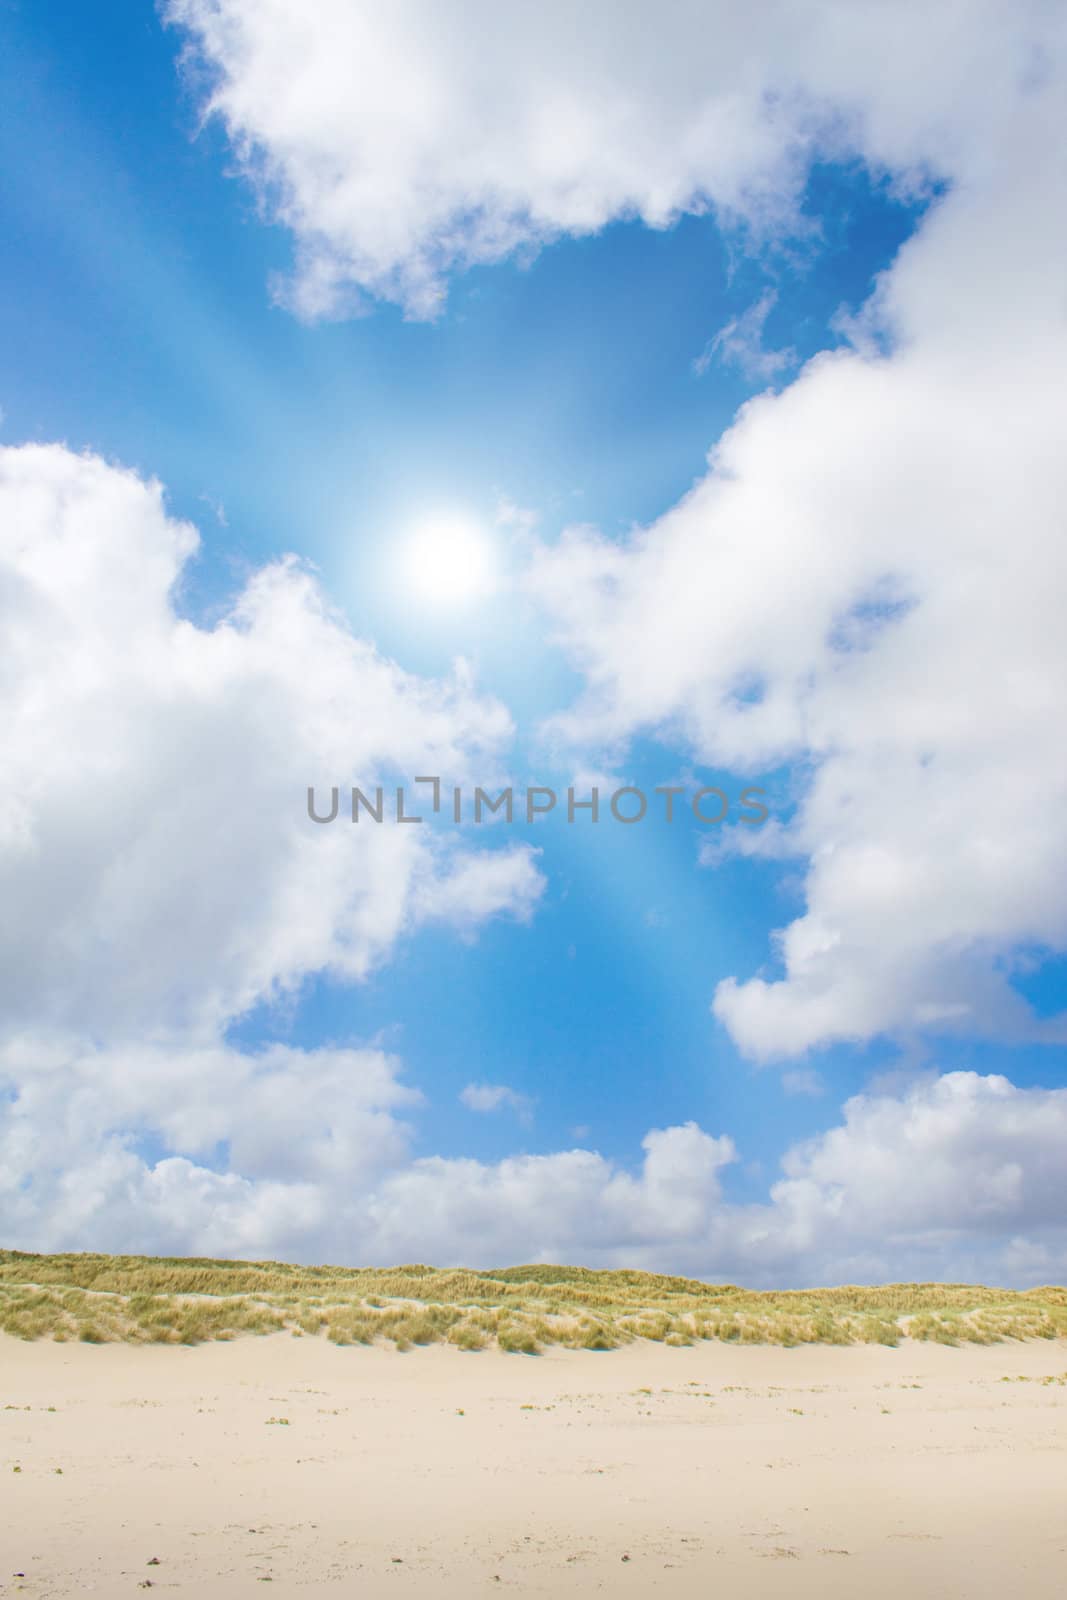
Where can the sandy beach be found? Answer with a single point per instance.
(683, 1472)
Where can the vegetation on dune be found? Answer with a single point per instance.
(143, 1299)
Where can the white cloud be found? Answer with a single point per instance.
(482, 884)
(951, 1178)
(303, 1154)
(486, 1097)
(260, 1153)
(306, 1155)
(869, 584)
(400, 143)
(159, 875)
(740, 344)
(963, 1176)
(154, 836)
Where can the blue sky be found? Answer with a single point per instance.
(138, 322)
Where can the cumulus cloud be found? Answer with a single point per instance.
(160, 875)
(177, 1148)
(959, 1176)
(404, 142)
(568, 1205)
(157, 862)
(307, 1155)
(868, 584)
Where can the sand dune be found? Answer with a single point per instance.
(683, 1472)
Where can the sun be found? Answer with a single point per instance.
(449, 561)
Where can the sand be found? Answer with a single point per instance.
(677, 1472)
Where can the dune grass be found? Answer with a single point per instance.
(143, 1299)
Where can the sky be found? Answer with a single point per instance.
(611, 396)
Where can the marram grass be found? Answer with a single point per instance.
(145, 1299)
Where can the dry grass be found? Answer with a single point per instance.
(142, 1299)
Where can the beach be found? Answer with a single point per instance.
(753, 1470)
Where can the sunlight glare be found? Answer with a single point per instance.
(449, 562)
